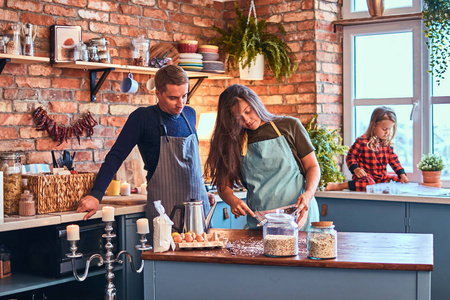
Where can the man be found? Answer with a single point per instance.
(166, 138)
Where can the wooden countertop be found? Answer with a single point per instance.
(375, 251)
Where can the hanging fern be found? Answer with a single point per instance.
(327, 144)
(242, 42)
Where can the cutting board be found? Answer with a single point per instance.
(159, 50)
(125, 200)
(132, 169)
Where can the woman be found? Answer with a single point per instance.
(270, 155)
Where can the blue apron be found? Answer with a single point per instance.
(178, 176)
(273, 178)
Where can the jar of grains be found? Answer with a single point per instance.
(11, 166)
(322, 240)
(280, 235)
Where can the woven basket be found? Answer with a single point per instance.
(55, 193)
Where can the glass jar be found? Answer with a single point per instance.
(280, 234)
(93, 53)
(26, 204)
(104, 57)
(321, 241)
(28, 48)
(81, 52)
(14, 44)
(140, 51)
(11, 166)
(101, 44)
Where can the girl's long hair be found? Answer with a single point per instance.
(379, 114)
(223, 165)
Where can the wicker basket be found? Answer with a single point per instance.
(55, 193)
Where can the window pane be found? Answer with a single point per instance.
(441, 134)
(361, 5)
(403, 140)
(384, 66)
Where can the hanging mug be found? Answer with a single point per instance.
(151, 84)
(129, 85)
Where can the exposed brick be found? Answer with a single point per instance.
(112, 121)
(102, 5)
(31, 133)
(168, 5)
(282, 109)
(88, 167)
(93, 15)
(103, 28)
(25, 106)
(43, 70)
(78, 3)
(134, 31)
(95, 108)
(15, 69)
(8, 15)
(331, 108)
(5, 106)
(123, 19)
(121, 110)
(327, 16)
(49, 144)
(160, 35)
(62, 107)
(327, 6)
(307, 108)
(44, 157)
(17, 145)
(36, 19)
(25, 5)
(104, 132)
(8, 133)
(328, 98)
(285, 7)
(328, 78)
(6, 81)
(274, 99)
(299, 36)
(180, 18)
(152, 24)
(87, 143)
(130, 9)
(298, 16)
(65, 83)
(155, 13)
(60, 11)
(332, 89)
(307, 4)
(190, 29)
(109, 143)
(300, 98)
(83, 156)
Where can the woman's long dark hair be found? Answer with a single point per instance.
(223, 165)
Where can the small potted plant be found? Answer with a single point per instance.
(248, 43)
(328, 144)
(431, 166)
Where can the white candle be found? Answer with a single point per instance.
(144, 188)
(125, 189)
(142, 226)
(73, 232)
(107, 214)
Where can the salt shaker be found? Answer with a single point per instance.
(28, 48)
(280, 234)
(321, 241)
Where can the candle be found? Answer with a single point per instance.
(144, 188)
(125, 189)
(107, 214)
(142, 226)
(73, 232)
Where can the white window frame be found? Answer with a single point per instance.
(348, 7)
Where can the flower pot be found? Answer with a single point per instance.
(255, 71)
(432, 178)
(376, 7)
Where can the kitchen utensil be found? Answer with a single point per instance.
(192, 216)
(129, 85)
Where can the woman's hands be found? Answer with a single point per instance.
(238, 206)
(303, 202)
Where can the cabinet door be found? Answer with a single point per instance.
(133, 282)
(363, 215)
(434, 218)
(222, 216)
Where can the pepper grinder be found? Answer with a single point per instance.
(28, 47)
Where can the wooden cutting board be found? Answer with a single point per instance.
(159, 50)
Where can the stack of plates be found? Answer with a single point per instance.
(191, 61)
(210, 56)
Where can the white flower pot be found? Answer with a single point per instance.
(255, 71)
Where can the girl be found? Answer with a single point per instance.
(371, 152)
(265, 153)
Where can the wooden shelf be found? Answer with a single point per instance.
(23, 59)
(360, 21)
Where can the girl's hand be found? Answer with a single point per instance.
(240, 208)
(360, 173)
(404, 178)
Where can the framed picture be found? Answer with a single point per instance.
(63, 40)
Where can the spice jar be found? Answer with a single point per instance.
(14, 45)
(101, 44)
(104, 57)
(5, 262)
(26, 204)
(280, 235)
(140, 52)
(10, 165)
(29, 43)
(93, 54)
(81, 52)
(322, 240)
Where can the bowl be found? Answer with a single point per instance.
(210, 56)
(188, 42)
(208, 48)
(187, 48)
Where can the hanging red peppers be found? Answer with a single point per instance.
(62, 133)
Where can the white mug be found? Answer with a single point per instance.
(129, 85)
(151, 84)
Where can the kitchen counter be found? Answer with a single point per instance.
(16, 222)
(399, 263)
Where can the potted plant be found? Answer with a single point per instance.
(247, 40)
(436, 18)
(327, 143)
(431, 166)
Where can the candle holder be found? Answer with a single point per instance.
(108, 261)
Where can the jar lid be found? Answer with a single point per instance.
(98, 41)
(322, 224)
(140, 40)
(279, 217)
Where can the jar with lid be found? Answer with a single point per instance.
(14, 44)
(140, 51)
(104, 57)
(280, 235)
(101, 43)
(27, 204)
(11, 166)
(81, 52)
(93, 53)
(321, 240)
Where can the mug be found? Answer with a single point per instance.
(151, 84)
(113, 188)
(129, 85)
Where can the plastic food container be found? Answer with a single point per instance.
(321, 240)
(280, 235)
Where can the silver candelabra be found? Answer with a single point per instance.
(110, 291)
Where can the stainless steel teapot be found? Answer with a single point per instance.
(192, 216)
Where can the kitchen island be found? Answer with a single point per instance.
(368, 266)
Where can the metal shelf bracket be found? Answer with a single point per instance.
(96, 86)
(3, 62)
(195, 87)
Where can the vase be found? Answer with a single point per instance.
(432, 178)
(255, 71)
(376, 7)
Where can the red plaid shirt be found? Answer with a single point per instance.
(374, 162)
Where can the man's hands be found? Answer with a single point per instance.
(89, 204)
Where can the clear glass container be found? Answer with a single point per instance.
(140, 51)
(280, 235)
(101, 44)
(26, 204)
(93, 53)
(104, 57)
(81, 53)
(28, 48)
(14, 44)
(321, 241)
(11, 166)
(3, 40)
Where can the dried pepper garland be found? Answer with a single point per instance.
(62, 133)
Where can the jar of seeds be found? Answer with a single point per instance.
(321, 240)
(280, 235)
(11, 166)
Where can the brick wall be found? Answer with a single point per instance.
(64, 93)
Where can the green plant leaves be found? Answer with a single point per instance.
(431, 162)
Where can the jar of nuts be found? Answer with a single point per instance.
(11, 166)
(280, 235)
(321, 241)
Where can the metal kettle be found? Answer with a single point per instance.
(192, 216)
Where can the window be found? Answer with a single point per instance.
(358, 8)
(386, 64)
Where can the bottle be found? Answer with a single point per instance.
(11, 166)
(26, 204)
(14, 45)
(280, 235)
(81, 53)
(321, 241)
(29, 45)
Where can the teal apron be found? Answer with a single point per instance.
(273, 178)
